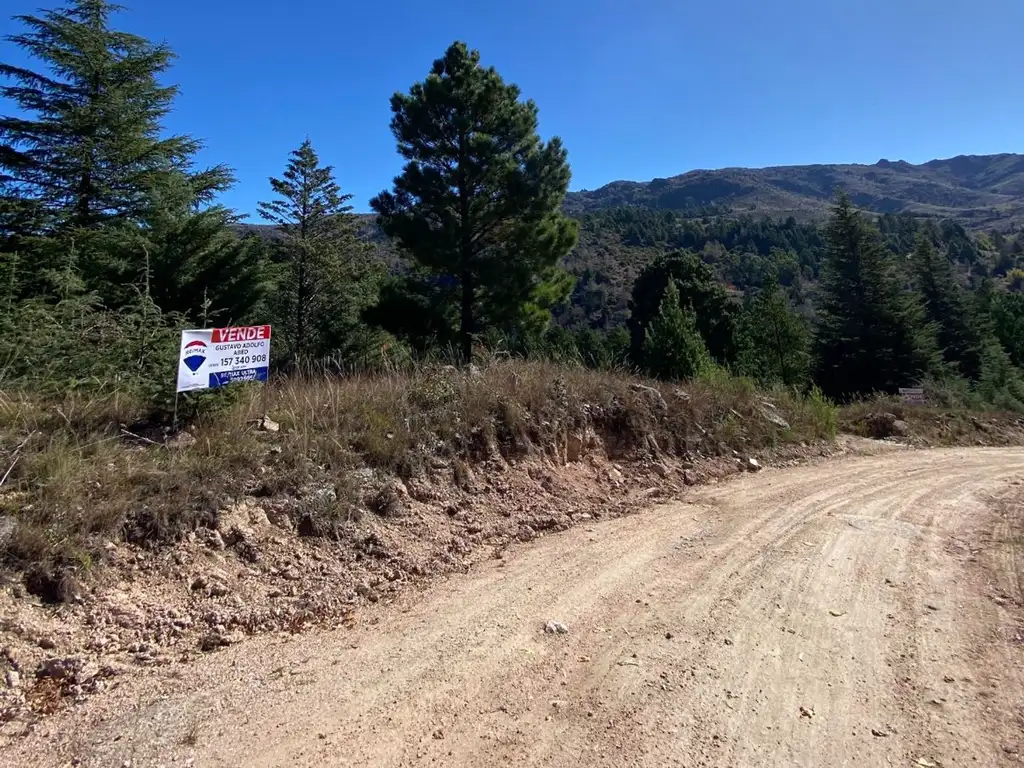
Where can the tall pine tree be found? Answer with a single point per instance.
(86, 167)
(946, 307)
(871, 336)
(479, 200)
(90, 146)
(322, 264)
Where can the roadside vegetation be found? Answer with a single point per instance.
(87, 469)
(474, 336)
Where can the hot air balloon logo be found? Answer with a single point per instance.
(195, 355)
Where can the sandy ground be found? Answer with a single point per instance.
(865, 611)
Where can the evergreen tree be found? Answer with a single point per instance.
(774, 339)
(322, 264)
(1000, 382)
(525, 321)
(870, 334)
(90, 145)
(85, 166)
(999, 315)
(199, 268)
(699, 291)
(945, 305)
(419, 308)
(673, 347)
(479, 199)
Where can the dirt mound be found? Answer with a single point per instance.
(931, 426)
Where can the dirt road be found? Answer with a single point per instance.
(858, 612)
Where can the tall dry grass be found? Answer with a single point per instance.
(82, 470)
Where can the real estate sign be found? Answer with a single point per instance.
(912, 395)
(214, 357)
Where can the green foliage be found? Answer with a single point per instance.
(823, 411)
(699, 292)
(111, 240)
(196, 266)
(86, 169)
(870, 333)
(1003, 316)
(90, 141)
(479, 199)
(527, 320)
(607, 350)
(1000, 382)
(596, 302)
(323, 271)
(673, 347)
(418, 308)
(774, 340)
(78, 345)
(946, 308)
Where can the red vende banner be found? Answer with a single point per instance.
(242, 333)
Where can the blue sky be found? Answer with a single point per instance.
(636, 88)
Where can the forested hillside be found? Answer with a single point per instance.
(112, 239)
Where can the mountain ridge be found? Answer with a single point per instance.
(983, 191)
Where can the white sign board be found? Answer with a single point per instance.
(219, 356)
(912, 395)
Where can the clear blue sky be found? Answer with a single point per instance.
(635, 88)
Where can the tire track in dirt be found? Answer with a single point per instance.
(861, 611)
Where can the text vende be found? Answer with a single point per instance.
(248, 333)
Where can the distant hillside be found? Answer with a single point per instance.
(981, 191)
(739, 220)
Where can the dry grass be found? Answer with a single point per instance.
(76, 480)
(936, 425)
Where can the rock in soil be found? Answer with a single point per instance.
(368, 592)
(556, 628)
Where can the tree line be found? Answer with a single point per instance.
(111, 239)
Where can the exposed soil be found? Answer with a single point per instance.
(860, 611)
(288, 563)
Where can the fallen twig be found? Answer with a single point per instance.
(142, 439)
(17, 455)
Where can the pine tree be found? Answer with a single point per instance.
(479, 199)
(673, 347)
(946, 307)
(870, 334)
(699, 290)
(775, 340)
(999, 316)
(86, 165)
(1000, 382)
(321, 259)
(91, 144)
(198, 267)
